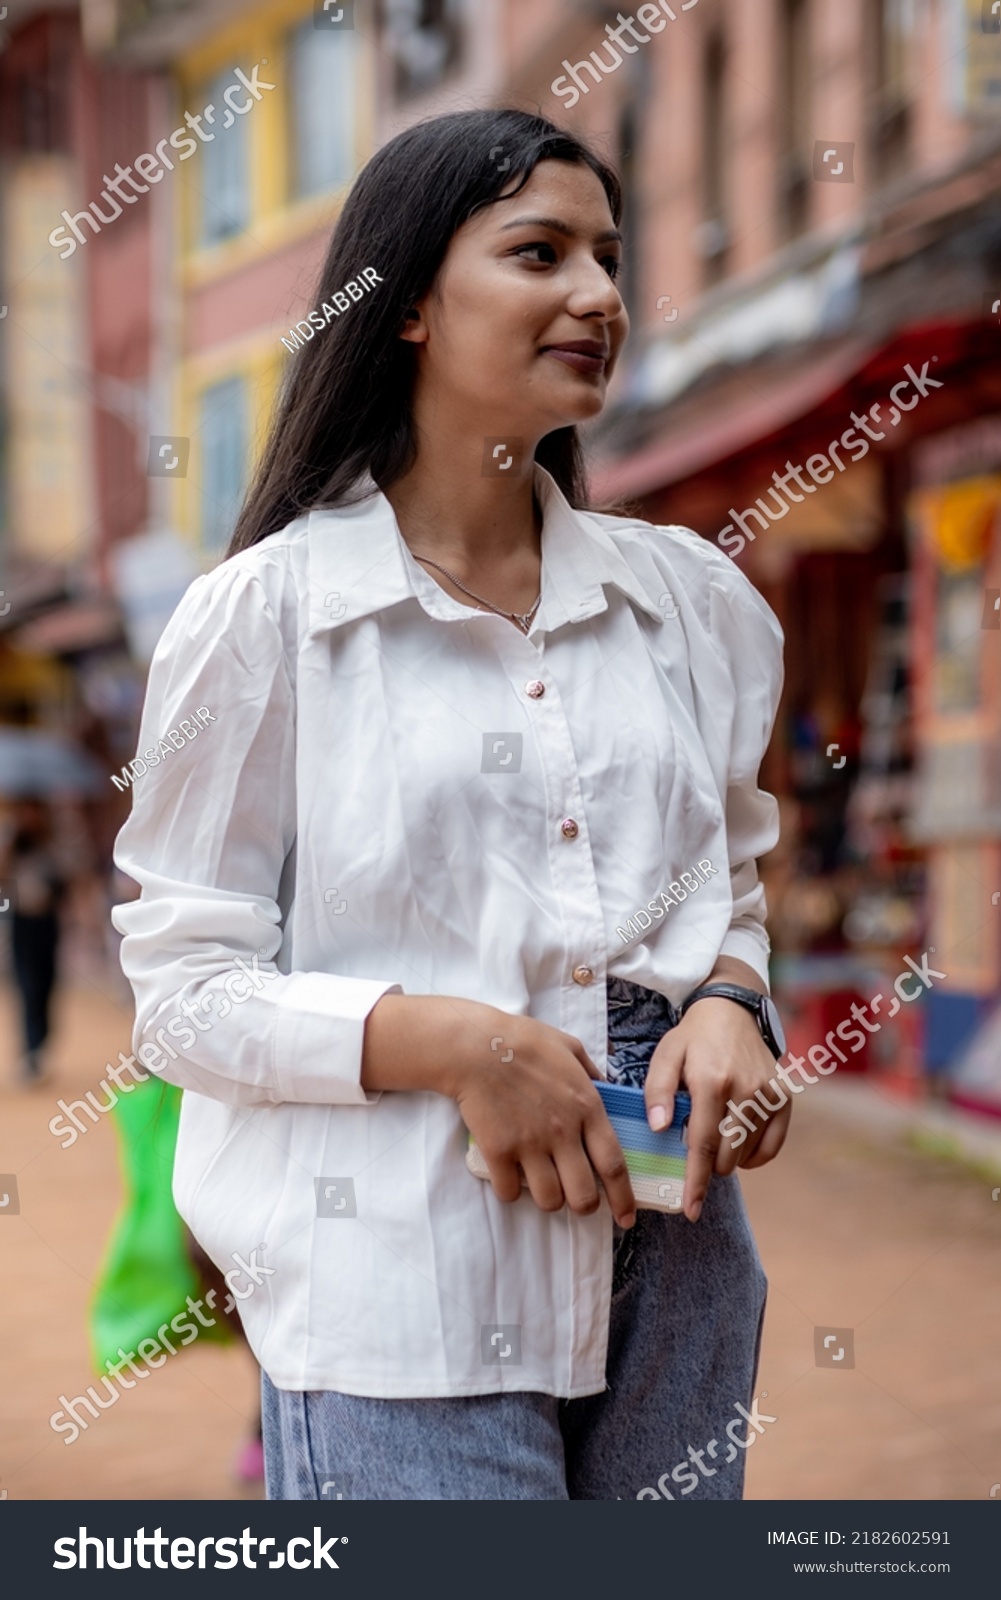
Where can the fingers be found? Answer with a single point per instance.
(730, 1156)
(662, 1079)
(743, 1155)
(567, 1177)
(708, 1101)
(771, 1141)
(505, 1176)
(576, 1174)
(564, 1154)
(564, 1178)
(609, 1163)
(577, 1049)
(543, 1181)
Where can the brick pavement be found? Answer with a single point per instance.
(171, 1438)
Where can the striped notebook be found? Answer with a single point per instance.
(656, 1161)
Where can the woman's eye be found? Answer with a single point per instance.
(549, 254)
(545, 254)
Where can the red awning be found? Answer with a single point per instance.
(759, 403)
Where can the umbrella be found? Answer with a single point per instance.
(44, 764)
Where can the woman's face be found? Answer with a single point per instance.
(524, 323)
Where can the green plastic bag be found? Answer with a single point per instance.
(147, 1272)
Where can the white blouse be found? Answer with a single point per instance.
(392, 791)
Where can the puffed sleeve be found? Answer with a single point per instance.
(749, 638)
(735, 659)
(213, 821)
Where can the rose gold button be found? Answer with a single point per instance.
(569, 828)
(582, 975)
(536, 689)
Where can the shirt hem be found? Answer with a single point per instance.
(409, 1391)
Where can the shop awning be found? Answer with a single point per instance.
(753, 405)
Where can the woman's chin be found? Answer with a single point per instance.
(586, 404)
(586, 412)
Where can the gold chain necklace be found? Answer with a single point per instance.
(522, 619)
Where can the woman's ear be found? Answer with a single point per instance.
(414, 328)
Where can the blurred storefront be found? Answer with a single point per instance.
(956, 516)
(831, 426)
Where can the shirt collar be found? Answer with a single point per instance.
(359, 563)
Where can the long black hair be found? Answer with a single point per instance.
(345, 408)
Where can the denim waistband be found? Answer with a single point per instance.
(638, 1018)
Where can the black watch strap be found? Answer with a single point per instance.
(753, 1001)
(723, 991)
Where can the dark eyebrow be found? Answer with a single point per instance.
(612, 236)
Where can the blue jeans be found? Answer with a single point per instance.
(687, 1307)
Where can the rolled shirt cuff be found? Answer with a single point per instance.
(750, 945)
(319, 1035)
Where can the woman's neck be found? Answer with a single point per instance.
(467, 518)
(485, 533)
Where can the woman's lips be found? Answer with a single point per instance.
(580, 360)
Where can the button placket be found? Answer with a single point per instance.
(582, 1008)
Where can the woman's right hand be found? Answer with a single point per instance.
(524, 1091)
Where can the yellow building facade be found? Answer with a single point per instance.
(279, 104)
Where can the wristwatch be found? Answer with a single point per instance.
(761, 1006)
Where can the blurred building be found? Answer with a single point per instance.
(272, 106)
(76, 343)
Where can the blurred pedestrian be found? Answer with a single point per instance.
(36, 876)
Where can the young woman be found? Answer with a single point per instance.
(472, 802)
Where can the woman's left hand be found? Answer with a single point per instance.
(717, 1053)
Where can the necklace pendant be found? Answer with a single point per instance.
(522, 621)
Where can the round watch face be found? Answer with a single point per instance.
(771, 1011)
